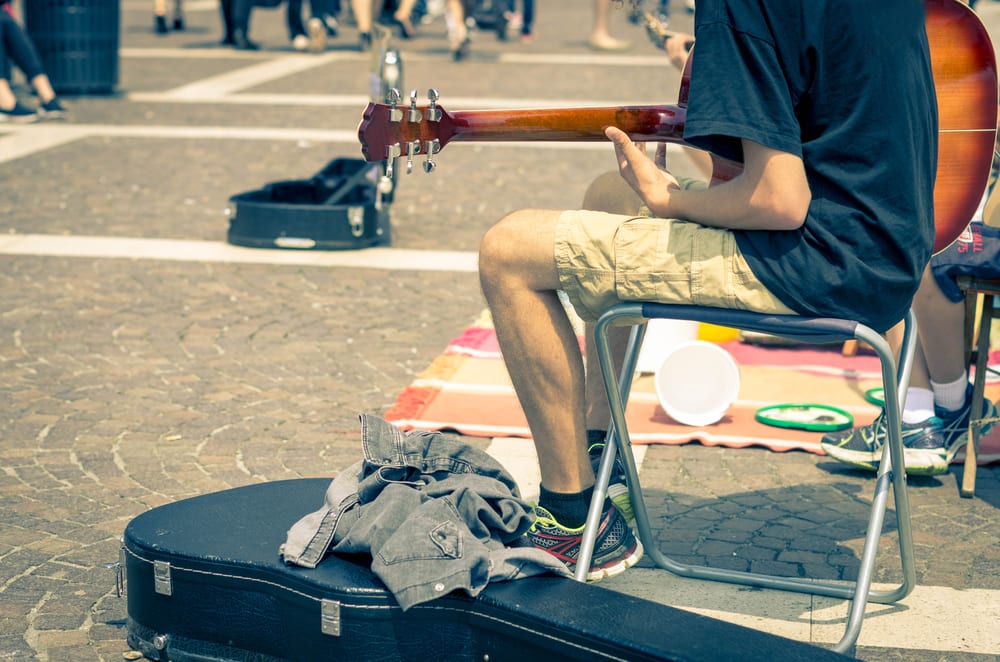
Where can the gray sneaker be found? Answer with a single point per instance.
(615, 550)
(928, 447)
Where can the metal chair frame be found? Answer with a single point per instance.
(806, 329)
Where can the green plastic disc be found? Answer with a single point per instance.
(811, 417)
(875, 396)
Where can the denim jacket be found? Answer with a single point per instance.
(435, 515)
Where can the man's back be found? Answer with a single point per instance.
(846, 85)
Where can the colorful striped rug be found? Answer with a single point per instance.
(467, 390)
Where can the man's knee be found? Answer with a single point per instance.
(521, 245)
(610, 193)
(497, 246)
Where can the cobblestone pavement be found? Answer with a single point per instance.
(128, 382)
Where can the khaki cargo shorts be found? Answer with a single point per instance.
(604, 259)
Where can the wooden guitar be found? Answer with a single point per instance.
(965, 78)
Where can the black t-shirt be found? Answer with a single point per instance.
(846, 85)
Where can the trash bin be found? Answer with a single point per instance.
(77, 41)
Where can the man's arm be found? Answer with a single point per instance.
(772, 192)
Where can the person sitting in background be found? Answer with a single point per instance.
(16, 48)
(938, 402)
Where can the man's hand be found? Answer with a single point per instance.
(646, 176)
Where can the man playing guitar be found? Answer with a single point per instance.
(829, 105)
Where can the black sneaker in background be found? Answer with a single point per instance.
(52, 110)
(19, 114)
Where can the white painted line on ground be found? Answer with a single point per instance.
(205, 54)
(36, 132)
(27, 139)
(18, 143)
(208, 89)
(359, 101)
(392, 259)
(180, 95)
(24, 140)
(225, 87)
(585, 59)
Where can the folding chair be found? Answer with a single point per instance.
(806, 329)
(977, 354)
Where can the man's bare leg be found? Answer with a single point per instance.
(520, 281)
(609, 193)
(940, 323)
(539, 346)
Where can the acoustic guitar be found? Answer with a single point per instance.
(965, 79)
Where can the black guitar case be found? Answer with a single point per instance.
(205, 582)
(341, 207)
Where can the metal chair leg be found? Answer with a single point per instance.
(888, 479)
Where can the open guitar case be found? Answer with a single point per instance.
(205, 582)
(343, 206)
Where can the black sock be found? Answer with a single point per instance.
(596, 437)
(569, 509)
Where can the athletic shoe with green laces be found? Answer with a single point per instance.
(928, 447)
(615, 550)
(617, 487)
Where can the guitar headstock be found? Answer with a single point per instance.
(389, 130)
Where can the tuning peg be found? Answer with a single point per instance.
(392, 97)
(391, 153)
(433, 112)
(415, 115)
(412, 148)
(432, 147)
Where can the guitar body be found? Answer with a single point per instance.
(965, 79)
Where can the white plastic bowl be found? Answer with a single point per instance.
(697, 382)
(662, 336)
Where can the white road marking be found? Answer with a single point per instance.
(134, 248)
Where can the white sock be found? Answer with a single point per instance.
(919, 405)
(951, 396)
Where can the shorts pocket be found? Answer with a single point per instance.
(651, 260)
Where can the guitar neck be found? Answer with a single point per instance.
(642, 123)
(390, 131)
